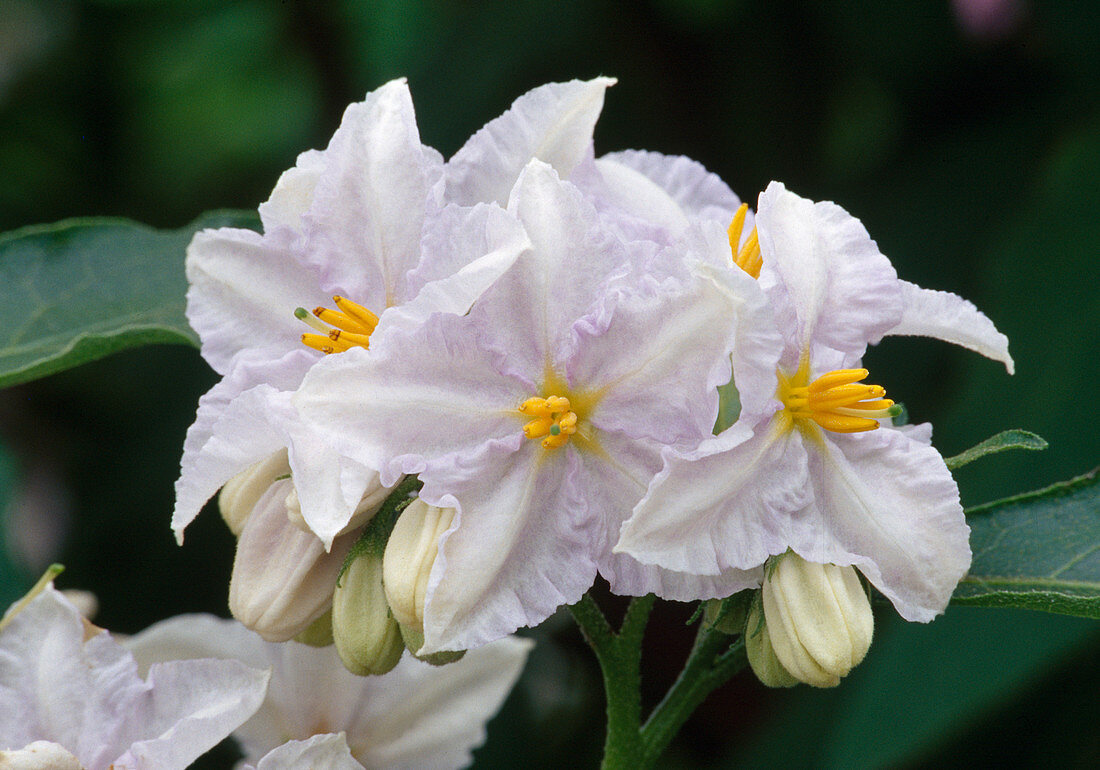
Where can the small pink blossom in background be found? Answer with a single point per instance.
(989, 19)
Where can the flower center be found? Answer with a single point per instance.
(836, 401)
(341, 329)
(554, 419)
(748, 256)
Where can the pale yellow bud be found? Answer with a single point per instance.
(39, 755)
(761, 654)
(368, 639)
(818, 617)
(241, 493)
(410, 554)
(318, 633)
(282, 577)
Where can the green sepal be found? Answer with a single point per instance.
(1038, 551)
(1009, 439)
(729, 407)
(728, 615)
(378, 529)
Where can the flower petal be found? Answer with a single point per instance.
(726, 505)
(293, 193)
(232, 430)
(364, 225)
(553, 123)
(520, 546)
(888, 505)
(695, 192)
(321, 752)
(424, 394)
(832, 284)
(949, 317)
(244, 288)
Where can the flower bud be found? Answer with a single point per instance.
(241, 493)
(761, 654)
(414, 640)
(410, 554)
(38, 755)
(282, 577)
(818, 618)
(367, 637)
(318, 633)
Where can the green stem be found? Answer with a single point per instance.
(620, 656)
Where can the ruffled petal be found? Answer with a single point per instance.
(521, 544)
(321, 752)
(888, 505)
(463, 252)
(834, 286)
(553, 123)
(293, 193)
(424, 716)
(726, 505)
(425, 394)
(232, 431)
(694, 192)
(244, 288)
(364, 226)
(949, 317)
(660, 360)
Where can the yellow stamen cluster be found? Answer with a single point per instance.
(341, 329)
(554, 419)
(746, 257)
(836, 401)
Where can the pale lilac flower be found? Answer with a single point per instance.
(67, 687)
(804, 467)
(540, 416)
(416, 716)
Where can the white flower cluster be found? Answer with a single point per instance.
(539, 335)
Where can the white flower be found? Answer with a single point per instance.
(806, 467)
(540, 415)
(363, 221)
(416, 716)
(68, 687)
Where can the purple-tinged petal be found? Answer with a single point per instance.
(321, 752)
(426, 394)
(833, 286)
(364, 226)
(888, 505)
(695, 192)
(949, 317)
(520, 547)
(293, 193)
(726, 505)
(553, 123)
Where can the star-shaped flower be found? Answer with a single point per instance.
(68, 688)
(810, 465)
(540, 416)
(417, 715)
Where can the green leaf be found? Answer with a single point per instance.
(1039, 550)
(80, 289)
(1009, 439)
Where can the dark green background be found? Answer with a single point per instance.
(973, 161)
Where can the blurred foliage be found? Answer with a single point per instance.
(973, 158)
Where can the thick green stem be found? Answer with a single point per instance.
(620, 656)
(712, 662)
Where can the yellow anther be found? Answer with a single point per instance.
(356, 311)
(746, 257)
(836, 401)
(539, 427)
(345, 330)
(554, 419)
